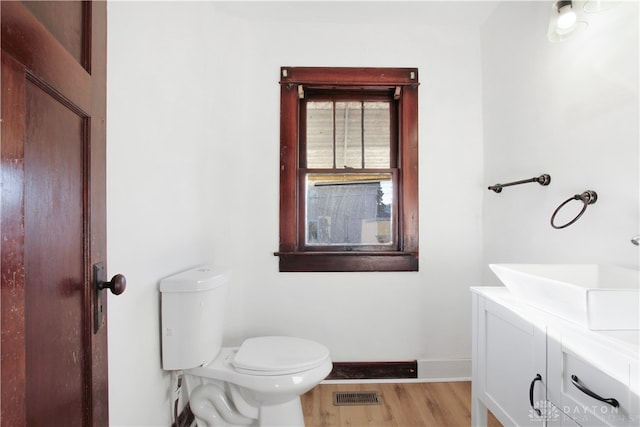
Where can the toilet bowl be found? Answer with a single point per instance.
(258, 383)
(265, 378)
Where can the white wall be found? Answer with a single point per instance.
(361, 316)
(570, 110)
(160, 115)
(193, 134)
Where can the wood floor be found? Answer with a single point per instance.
(402, 405)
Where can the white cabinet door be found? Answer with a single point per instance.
(557, 418)
(509, 367)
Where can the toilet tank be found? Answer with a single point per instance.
(192, 316)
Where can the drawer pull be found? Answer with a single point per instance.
(538, 377)
(576, 382)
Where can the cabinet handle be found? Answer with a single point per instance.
(538, 377)
(576, 382)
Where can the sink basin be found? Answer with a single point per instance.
(598, 297)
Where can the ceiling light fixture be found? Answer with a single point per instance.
(566, 16)
(564, 21)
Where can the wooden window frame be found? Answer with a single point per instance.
(293, 82)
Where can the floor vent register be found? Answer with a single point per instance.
(346, 398)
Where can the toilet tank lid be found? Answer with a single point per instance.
(197, 279)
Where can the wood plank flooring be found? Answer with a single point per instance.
(403, 405)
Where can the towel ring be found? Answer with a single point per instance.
(589, 197)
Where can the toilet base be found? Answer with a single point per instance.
(284, 414)
(216, 404)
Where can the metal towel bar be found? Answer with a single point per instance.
(543, 179)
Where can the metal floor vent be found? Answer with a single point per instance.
(355, 398)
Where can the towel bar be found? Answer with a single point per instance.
(543, 179)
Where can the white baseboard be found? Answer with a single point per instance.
(444, 369)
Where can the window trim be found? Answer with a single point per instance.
(294, 80)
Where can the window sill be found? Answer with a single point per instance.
(347, 261)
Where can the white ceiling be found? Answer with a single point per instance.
(429, 12)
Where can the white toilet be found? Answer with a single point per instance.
(256, 384)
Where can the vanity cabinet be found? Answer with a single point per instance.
(509, 375)
(533, 369)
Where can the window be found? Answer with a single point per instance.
(348, 169)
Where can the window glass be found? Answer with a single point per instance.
(349, 131)
(348, 134)
(349, 209)
(377, 134)
(320, 134)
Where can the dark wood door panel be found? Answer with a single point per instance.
(54, 212)
(67, 22)
(28, 41)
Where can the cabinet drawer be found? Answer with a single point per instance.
(593, 398)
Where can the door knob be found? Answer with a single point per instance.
(116, 285)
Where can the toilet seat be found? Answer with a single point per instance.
(278, 356)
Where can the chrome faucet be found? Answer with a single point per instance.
(636, 240)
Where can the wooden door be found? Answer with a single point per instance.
(52, 217)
